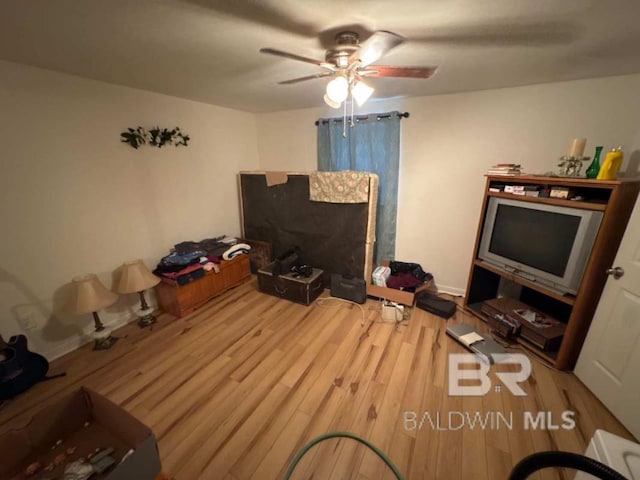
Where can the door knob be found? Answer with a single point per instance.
(616, 272)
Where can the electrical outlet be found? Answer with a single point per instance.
(27, 321)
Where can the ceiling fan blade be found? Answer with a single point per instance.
(377, 45)
(293, 56)
(308, 77)
(398, 72)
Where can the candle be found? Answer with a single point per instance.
(577, 147)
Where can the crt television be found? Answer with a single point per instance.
(546, 244)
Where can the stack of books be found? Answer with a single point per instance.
(505, 169)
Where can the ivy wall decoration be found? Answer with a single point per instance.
(156, 137)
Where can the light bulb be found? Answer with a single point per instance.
(361, 92)
(338, 89)
(330, 102)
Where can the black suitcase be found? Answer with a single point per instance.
(290, 286)
(436, 305)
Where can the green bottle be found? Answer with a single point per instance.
(594, 168)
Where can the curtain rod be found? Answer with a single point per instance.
(364, 117)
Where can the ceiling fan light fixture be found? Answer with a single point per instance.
(338, 89)
(361, 92)
(330, 102)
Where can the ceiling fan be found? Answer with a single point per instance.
(349, 61)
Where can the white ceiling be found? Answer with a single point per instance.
(207, 50)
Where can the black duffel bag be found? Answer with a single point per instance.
(413, 268)
(436, 305)
(286, 262)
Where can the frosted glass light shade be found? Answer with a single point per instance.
(338, 89)
(330, 102)
(136, 277)
(361, 92)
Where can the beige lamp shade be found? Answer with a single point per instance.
(89, 295)
(136, 277)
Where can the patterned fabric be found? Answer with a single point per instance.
(339, 187)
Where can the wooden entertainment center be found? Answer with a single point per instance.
(615, 199)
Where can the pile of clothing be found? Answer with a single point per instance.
(189, 261)
(407, 276)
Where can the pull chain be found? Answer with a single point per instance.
(352, 124)
(344, 120)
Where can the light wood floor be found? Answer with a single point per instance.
(235, 389)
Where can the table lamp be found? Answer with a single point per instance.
(136, 277)
(88, 296)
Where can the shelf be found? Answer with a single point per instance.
(568, 299)
(551, 201)
(562, 181)
(550, 357)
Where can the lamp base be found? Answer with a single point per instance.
(145, 317)
(103, 339)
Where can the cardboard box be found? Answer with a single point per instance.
(398, 296)
(109, 426)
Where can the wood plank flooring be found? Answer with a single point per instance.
(234, 390)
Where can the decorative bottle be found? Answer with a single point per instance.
(594, 168)
(610, 165)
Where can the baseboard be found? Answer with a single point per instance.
(74, 343)
(458, 292)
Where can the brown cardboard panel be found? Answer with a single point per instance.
(84, 420)
(118, 420)
(394, 295)
(43, 430)
(276, 178)
(399, 296)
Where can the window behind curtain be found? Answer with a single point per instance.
(372, 145)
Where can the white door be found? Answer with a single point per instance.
(609, 363)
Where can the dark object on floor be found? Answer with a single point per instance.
(436, 305)
(574, 461)
(297, 289)
(20, 369)
(348, 288)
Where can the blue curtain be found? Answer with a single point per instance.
(372, 145)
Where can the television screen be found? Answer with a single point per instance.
(537, 238)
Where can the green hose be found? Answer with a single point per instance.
(329, 435)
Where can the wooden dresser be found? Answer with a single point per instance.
(180, 300)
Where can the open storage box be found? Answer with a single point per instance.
(394, 295)
(85, 420)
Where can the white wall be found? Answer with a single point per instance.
(74, 199)
(450, 140)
